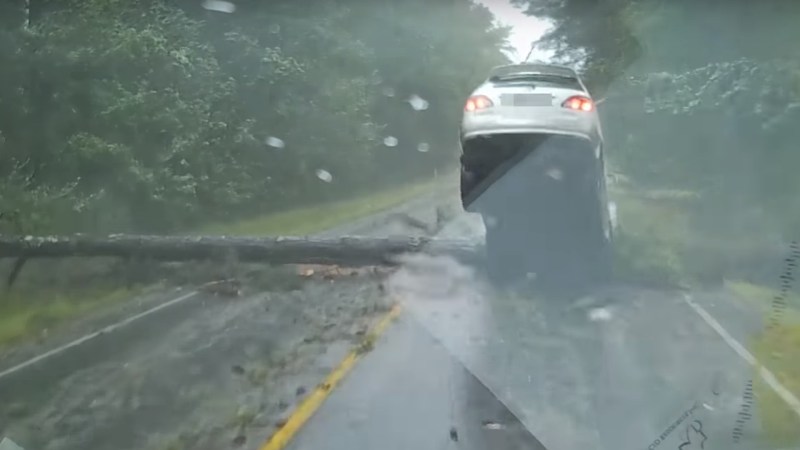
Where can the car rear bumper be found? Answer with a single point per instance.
(560, 123)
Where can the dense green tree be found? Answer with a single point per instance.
(701, 96)
(161, 115)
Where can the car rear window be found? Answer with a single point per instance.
(537, 80)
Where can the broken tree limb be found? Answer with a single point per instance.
(18, 265)
(344, 251)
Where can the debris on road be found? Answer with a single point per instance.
(223, 288)
(226, 371)
(335, 272)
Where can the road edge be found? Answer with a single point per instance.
(306, 409)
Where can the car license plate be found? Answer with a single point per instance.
(526, 99)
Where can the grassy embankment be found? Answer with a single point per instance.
(778, 349)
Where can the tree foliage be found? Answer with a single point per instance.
(593, 33)
(701, 96)
(157, 115)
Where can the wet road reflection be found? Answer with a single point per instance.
(411, 393)
(614, 370)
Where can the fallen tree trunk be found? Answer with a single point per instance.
(345, 251)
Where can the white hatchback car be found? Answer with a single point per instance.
(533, 165)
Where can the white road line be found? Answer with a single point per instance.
(91, 336)
(766, 375)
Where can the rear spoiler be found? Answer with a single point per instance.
(532, 69)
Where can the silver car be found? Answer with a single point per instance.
(532, 98)
(533, 165)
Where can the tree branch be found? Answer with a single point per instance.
(345, 251)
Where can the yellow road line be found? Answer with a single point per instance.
(311, 404)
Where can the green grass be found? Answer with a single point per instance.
(652, 233)
(761, 297)
(314, 219)
(778, 349)
(657, 216)
(657, 242)
(30, 311)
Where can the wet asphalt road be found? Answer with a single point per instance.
(612, 371)
(415, 394)
(608, 376)
(615, 370)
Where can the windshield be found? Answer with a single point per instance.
(536, 81)
(315, 225)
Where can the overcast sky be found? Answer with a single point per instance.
(525, 29)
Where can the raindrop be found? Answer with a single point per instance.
(423, 147)
(390, 141)
(324, 175)
(555, 174)
(490, 221)
(599, 315)
(389, 92)
(418, 103)
(275, 142)
(219, 5)
(715, 384)
(492, 425)
(453, 434)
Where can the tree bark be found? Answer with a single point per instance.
(346, 251)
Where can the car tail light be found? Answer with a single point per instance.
(579, 103)
(477, 103)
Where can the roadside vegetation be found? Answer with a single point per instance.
(278, 118)
(165, 116)
(778, 349)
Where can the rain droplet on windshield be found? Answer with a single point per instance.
(324, 175)
(599, 315)
(492, 425)
(423, 147)
(490, 221)
(390, 141)
(418, 103)
(275, 142)
(219, 5)
(555, 174)
(389, 92)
